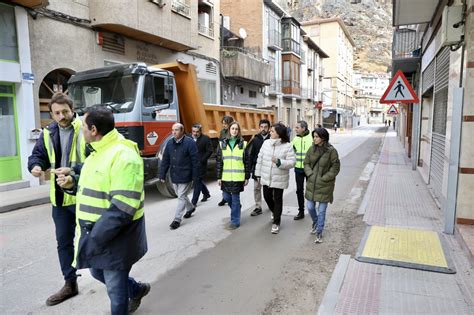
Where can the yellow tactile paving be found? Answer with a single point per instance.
(405, 245)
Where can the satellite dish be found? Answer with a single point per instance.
(243, 33)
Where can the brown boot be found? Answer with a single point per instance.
(68, 291)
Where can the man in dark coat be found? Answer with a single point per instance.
(254, 148)
(181, 159)
(205, 150)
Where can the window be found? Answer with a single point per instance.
(8, 144)
(241, 90)
(8, 37)
(252, 94)
(154, 93)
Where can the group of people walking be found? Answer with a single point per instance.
(267, 158)
(98, 202)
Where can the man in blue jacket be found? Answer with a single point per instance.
(181, 159)
(60, 147)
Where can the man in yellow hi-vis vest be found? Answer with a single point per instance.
(60, 147)
(301, 143)
(110, 235)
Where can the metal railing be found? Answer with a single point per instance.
(289, 44)
(274, 38)
(230, 51)
(208, 31)
(406, 43)
(181, 7)
(275, 86)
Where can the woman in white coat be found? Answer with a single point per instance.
(275, 159)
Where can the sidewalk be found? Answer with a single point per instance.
(398, 197)
(25, 197)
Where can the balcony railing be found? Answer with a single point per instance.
(291, 87)
(208, 31)
(181, 7)
(239, 63)
(406, 44)
(275, 86)
(291, 45)
(274, 39)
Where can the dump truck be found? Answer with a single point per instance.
(147, 100)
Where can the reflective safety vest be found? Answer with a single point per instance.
(233, 169)
(302, 145)
(76, 155)
(111, 175)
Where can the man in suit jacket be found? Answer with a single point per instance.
(205, 150)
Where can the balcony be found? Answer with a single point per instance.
(291, 87)
(274, 40)
(145, 22)
(204, 30)
(32, 4)
(275, 87)
(406, 12)
(181, 7)
(405, 50)
(290, 45)
(240, 64)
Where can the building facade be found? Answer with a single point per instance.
(295, 88)
(333, 37)
(434, 47)
(17, 111)
(369, 88)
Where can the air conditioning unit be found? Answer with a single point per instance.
(452, 27)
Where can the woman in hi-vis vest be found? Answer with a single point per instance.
(233, 171)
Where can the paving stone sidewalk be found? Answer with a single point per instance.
(397, 196)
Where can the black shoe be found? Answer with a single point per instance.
(134, 303)
(299, 216)
(205, 198)
(174, 225)
(189, 213)
(255, 212)
(222, 203)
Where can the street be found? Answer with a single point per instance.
(201, 267)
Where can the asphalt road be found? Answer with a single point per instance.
(201, 267)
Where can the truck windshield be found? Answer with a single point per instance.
(116, 93)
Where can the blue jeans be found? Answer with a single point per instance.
(317, 214)
(65, 223)
(233, 200)
(199, 187)
(120, 287)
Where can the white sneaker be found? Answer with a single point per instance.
(319, 239)
(275, 229)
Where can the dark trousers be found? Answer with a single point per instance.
(300, 177)
(274, 199)
(65, 223)
(199, 187)
(120, 287)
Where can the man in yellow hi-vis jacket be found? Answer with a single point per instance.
(110, 235)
